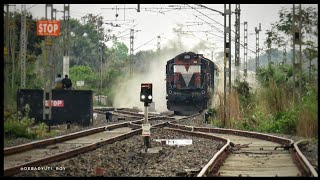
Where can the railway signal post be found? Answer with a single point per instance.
(146, 97)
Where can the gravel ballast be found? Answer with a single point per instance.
(310, 150)
(127, 158)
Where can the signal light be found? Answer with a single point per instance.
(146, 91)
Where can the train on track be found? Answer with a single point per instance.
(190, 82)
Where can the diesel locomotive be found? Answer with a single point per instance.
(190, 81)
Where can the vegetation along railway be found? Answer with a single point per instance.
(237, 153)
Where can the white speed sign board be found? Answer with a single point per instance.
(146, 129)
(80, 83)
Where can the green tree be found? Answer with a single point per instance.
(34, 49)
(83, 73)
(281, 31)
(281, 35)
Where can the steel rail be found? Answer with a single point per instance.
(298, 156)
(299, 159)
(71, 153)
(68, 154)
(218, 158)
(45, 142)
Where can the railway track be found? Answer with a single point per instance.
(253, 154)
(244, 153)
(63, 147)
(126, 114)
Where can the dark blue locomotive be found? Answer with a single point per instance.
(190, 80)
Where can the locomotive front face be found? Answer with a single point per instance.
(186, 71)
(186, 83)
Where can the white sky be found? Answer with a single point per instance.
(152, 22)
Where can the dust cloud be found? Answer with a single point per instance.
(128, 90)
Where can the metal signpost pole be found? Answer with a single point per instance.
(146, 98)
(146, 138)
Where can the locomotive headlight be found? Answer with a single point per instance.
(150, 97)
(187, 56)
(143, 96)
(170, 92)
(203, 92)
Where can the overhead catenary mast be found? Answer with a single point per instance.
(297, 65)
(131, 51)
(237, 41)
(227, 60)
(245, 49)
(158, 43)
(47, 93)
(66, 38)
(23, 46)
(257, 45)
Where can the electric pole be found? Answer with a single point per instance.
(54, 63)
(237, 41)
(297, 39)
(269, 48)
(66, 38)
(158, 43)
(131, 51)
(227, 59)
(47, 93)
(100, 54)
(12, 33)
(23, 46)
(294, 53)
(245, 48)
(257, 45)
(300, 55)
(6, 57)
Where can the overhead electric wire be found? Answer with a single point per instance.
(205, 15)
(208, 16)
(148, 42)
(211, 25)
(31, 7)
(127, 29)
(179, 8)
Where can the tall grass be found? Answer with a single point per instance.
(274, 97)
(232, 108)
(220, 112)
(271, 109)
(234, 104)
(307, 124)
